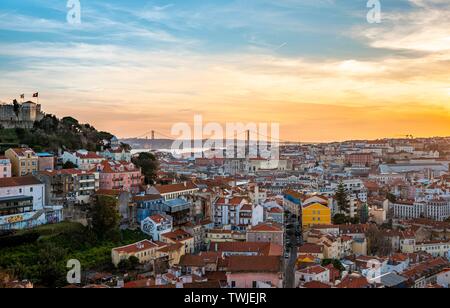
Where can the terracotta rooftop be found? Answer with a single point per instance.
(178, 235)
(136, 247)
(254, 264)
(173, 188)
(353, 282)
(309, 248)
(316, 285)
(23, 151)
(263, 249)
(19, 181)
(316, 269)
(266, 227)
(147, 198)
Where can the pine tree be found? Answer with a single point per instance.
(342, 199)
(364, 213)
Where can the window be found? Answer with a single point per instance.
(254, 284)
(31, 189)
(233, 284)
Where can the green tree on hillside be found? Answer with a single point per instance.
(105, 218)
(69, 165)
(364, 213)
(377, 243)
(149, 165)
(341, 198)
(51, 134)
(51, 265)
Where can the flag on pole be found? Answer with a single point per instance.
(36, 94)
(22, 96)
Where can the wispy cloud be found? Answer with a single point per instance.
(128, 67)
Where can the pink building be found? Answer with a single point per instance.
(46, 161)
(254, 272)
(267, 233)
(5, 167)
(123, 176)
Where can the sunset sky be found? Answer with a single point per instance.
(317, 67)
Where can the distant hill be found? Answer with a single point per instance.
(52, 134)
(149, 144)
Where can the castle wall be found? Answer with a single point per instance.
(29, 113)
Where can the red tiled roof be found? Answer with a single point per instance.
(89, 155)
(158, 218)
(172, 188)
(177, 235)
(316, 269)
(216, 276)
(169, 248)
(352, 282)
(235, 201)
(19, 181)
(254, 264)
(146, 198)
(21, 151)
(137, 247)
(316, 285)
(425, 267)
(116, 167)
(139, 284)
(247, 207)
(66, 171)
(266, 227)
(202, 285)
(309, 248)
(192, 260)
(260, 248)
(275, 210)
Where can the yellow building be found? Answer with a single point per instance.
(23, 161)
(145, 251)
(316, 214)
(182, 237)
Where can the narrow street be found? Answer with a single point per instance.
(292, 228)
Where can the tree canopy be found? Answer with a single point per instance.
(52, 134)
(341, 198)
(105, 217)
(149, 165)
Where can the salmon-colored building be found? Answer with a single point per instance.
(122, 176)
(254, 272)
